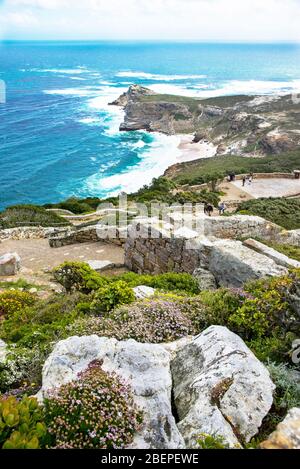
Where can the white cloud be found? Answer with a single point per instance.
(152, 19)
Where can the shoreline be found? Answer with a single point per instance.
(190, 151)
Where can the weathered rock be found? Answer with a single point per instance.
(142, 292)
(278, 143)
(234, 264)
(220, 388)
(99, 266)
(146, 367)
(277, 257)
(205, 279)
(10, 264)
(3, 347)
(287, 434)
(30, 232)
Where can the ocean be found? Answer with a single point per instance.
(60, 138)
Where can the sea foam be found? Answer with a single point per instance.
(161, 153)
(158, 77)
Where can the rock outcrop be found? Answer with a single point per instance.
(276, 256)
(226, 261)
(141, 292)
(287, 434)
(205, 279)
(10, 264)
(220, 388)
(234, 264)
(234, 124)
(146, 367)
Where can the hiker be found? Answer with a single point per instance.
(244, 181)
(250, 178)
(222, 208)
(208, 209)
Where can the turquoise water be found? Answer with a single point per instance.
(59, 137)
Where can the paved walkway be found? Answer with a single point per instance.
(270, 187)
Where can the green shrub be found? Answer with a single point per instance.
(21, 424)
(286, 396)
(266, 313)
(154, 321)
(213, 307)
(275, 348)
(44, 322)
(27, 215)
(211, 442)
(78, 276)
(14, 301)
(112, 295)
(76, 205)
(22, 370)
(282, 211)
(167, 282)
(195, 172)
(96, 411)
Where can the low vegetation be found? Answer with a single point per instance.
(263, 313)
(96, 411)
(29, 215)
(282, 211)
(200, 171)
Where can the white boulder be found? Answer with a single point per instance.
(146, 367)
(10, 264)
(99, 266)
(220, 388)
(142, 292)
(233, 264)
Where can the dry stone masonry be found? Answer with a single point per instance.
(211, 245)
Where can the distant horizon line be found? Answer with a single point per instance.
(177, 41)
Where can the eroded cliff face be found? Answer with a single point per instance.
(236, 124)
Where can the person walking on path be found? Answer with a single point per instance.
(222, 208)
(244, 181)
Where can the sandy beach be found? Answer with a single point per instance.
(190, 151)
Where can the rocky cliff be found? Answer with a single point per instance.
(235, 124)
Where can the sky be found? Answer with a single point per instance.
(193, 20)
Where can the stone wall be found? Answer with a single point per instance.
(157, 249)
(156, 256)
(241, 226)
(33, 232)
(90, 234)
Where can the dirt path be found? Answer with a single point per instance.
(38, 258)
(233, 192)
